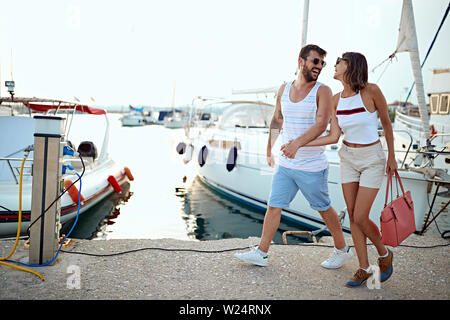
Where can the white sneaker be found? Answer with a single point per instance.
(337, 259)
(253, 257)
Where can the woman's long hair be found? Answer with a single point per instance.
(356, 74)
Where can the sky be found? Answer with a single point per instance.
(154, 53)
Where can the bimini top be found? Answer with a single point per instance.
(44, 105)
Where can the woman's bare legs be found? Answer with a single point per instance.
(359, 200)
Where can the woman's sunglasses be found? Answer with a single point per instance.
(339, 60)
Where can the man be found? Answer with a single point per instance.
(303, 110)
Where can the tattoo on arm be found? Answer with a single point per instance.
(277, 120)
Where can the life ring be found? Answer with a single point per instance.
(202, 155)
(72, 191)
(232, 156)
(181, 148)
(188, 153)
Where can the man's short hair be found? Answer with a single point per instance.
(304, 52)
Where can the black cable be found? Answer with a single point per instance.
(6, 208)
(150, 248)
(443, 234)
(233, 249)
(58, 197)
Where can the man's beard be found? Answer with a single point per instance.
(307, 74)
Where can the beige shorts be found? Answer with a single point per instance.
(365, 165)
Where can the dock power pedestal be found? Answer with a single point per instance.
(46, 186)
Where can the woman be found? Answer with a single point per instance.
(363, 161)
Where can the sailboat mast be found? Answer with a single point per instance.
(173, 95)
(417, 72)
(420, 92)
(305, 22)
(408, 42)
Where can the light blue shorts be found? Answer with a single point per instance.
(313, 185)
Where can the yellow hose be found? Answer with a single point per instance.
(24, 269)
(19, 222)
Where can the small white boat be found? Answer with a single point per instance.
(16, 142)
(174, 120)
(133, 119)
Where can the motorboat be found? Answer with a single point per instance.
(101, 175)
(137, 117)
(133, 119)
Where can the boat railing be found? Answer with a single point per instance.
(409, 147)
(15, 170)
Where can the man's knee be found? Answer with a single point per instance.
(273, 210)
(328, 211)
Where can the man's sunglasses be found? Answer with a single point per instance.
(317, 61)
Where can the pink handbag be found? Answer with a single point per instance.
(397, 220)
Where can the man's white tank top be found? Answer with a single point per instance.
(358, 124)
(297, 119)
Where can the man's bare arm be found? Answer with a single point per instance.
(276, 123)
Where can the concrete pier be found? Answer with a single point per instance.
(294, 272)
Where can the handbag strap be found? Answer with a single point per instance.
(397, 177)
(388, 184)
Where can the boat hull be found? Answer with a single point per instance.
(95, 188)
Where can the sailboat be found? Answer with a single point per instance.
(231, 156)
(175, 119)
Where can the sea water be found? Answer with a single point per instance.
(168, 200)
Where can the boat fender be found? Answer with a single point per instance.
(188, 153)
(128, 173)
(88, 149)
(433, 131)
(72, 191)
(181, 148)
(231, 161)
(202, 155)
(113, 182)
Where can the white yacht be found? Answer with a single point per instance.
(231, 158)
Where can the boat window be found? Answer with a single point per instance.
(434, 100)
(443, 109)
(247, 115)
